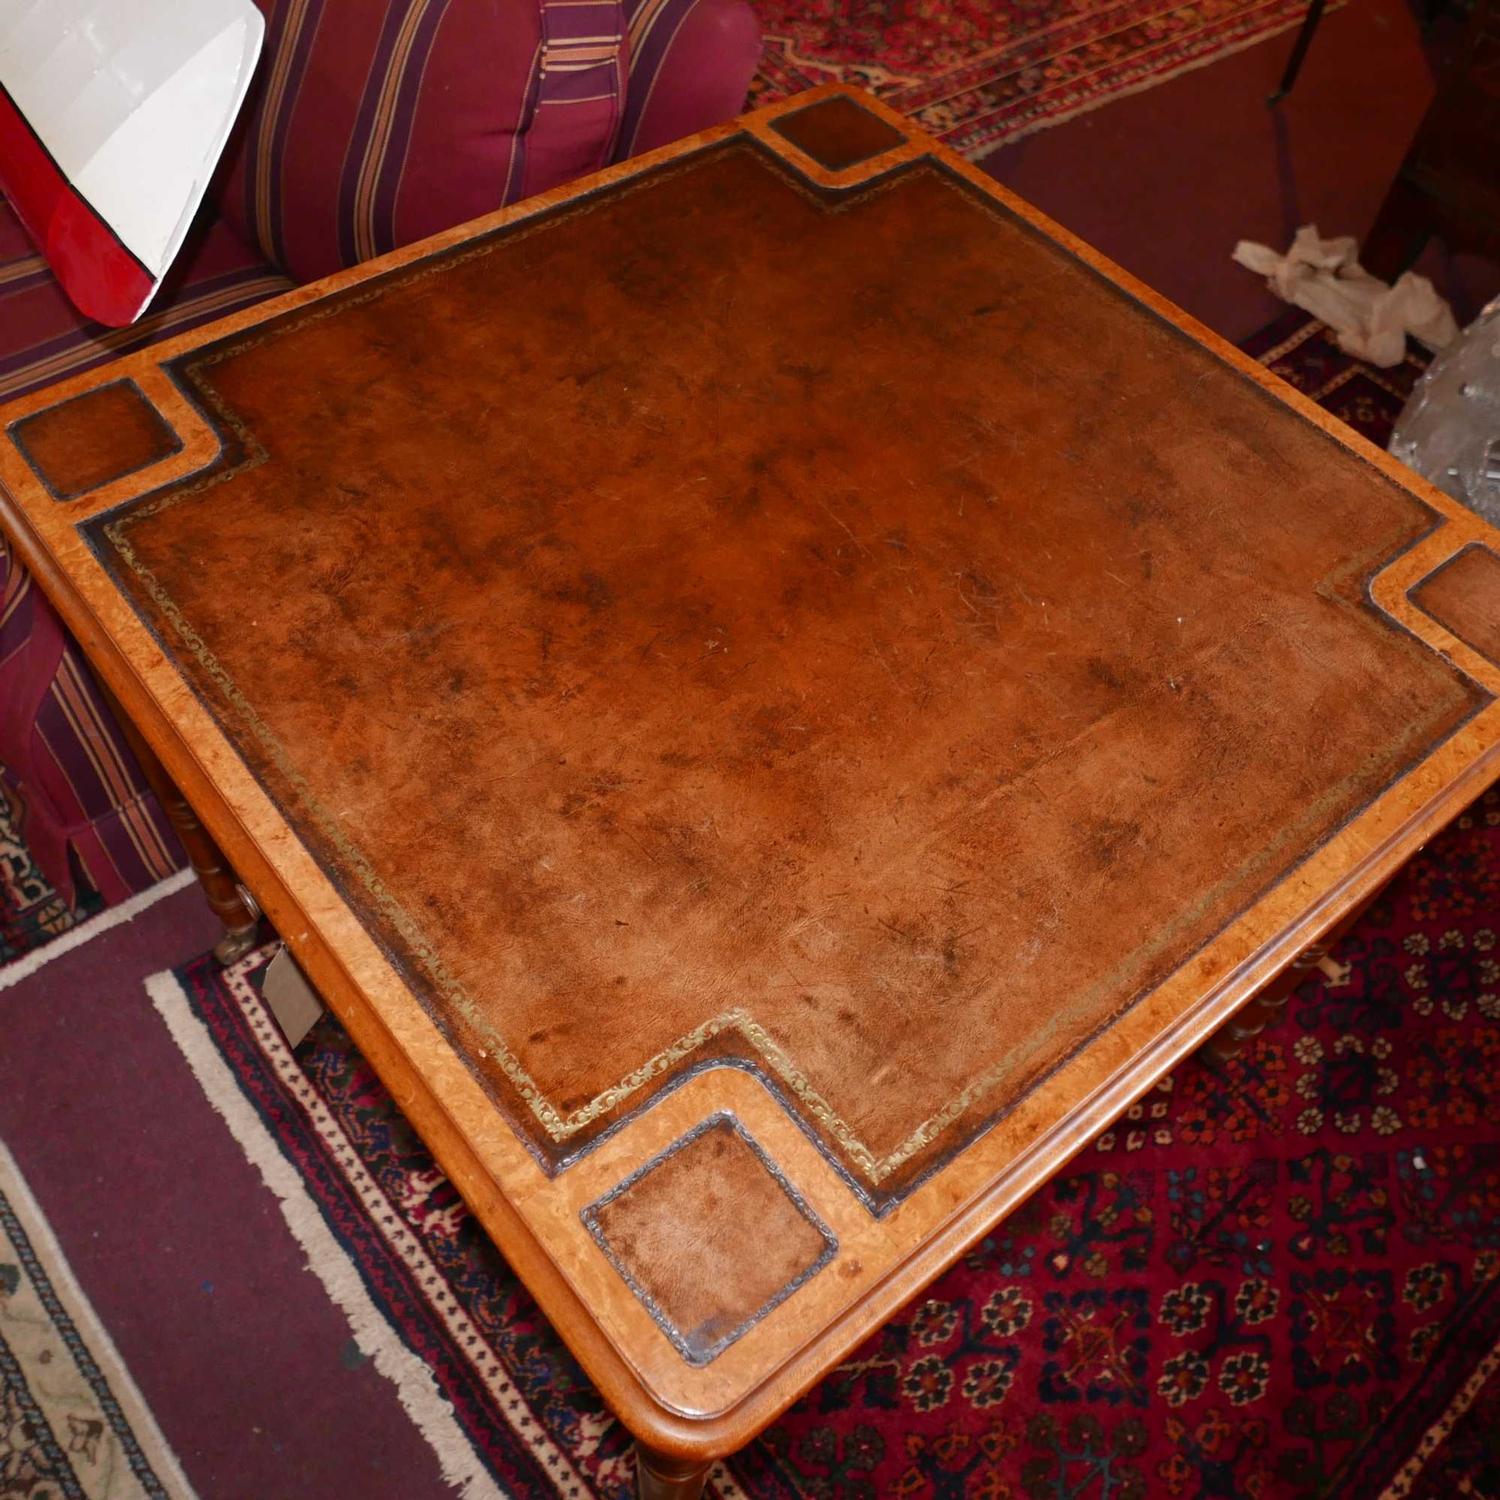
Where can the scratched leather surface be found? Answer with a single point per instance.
(681, 1229)
(865, 625)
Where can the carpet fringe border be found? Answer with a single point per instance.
(459, 1463)
(96, 1338)
(27, 965)
(267, 1040)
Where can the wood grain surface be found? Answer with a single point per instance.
(775, 693)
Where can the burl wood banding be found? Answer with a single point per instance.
(774, 702)
(83, 444)
(1464, 595)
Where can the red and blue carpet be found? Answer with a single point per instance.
(72, 1422)
(1306, 355)
(978, 73)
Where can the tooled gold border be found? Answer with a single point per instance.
(560, 1127)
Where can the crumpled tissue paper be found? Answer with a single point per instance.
(1371, 319)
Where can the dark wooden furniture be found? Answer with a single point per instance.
(1448, 185)
(775, 693)
(1298, 55)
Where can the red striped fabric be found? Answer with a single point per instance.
(88, 811)
(691, 62)
(373, 123)
(87, 808)
(43, 337)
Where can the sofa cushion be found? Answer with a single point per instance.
(83, 804)
(376, 122)
(691, 62)
(44, 338)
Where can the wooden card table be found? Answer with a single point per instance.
(775, 693)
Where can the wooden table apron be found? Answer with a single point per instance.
(742, 1127)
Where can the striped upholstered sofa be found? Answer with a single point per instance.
(371, 123)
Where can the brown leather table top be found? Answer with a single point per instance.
(776, 696)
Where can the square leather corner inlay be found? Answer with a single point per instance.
(677, 1231)
(1464, 596)
(837, 133)
(82, 444)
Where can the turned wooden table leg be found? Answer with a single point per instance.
(1266, 1006)
(226, 898)
(1245, 1025)
(659, 1477)
(220, 887)
(1254, 1017)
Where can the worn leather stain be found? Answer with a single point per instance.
(693, 608)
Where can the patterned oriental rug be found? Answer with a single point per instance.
(978, 73)
(1305, 354)
(72, 1423)
(31, 912)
